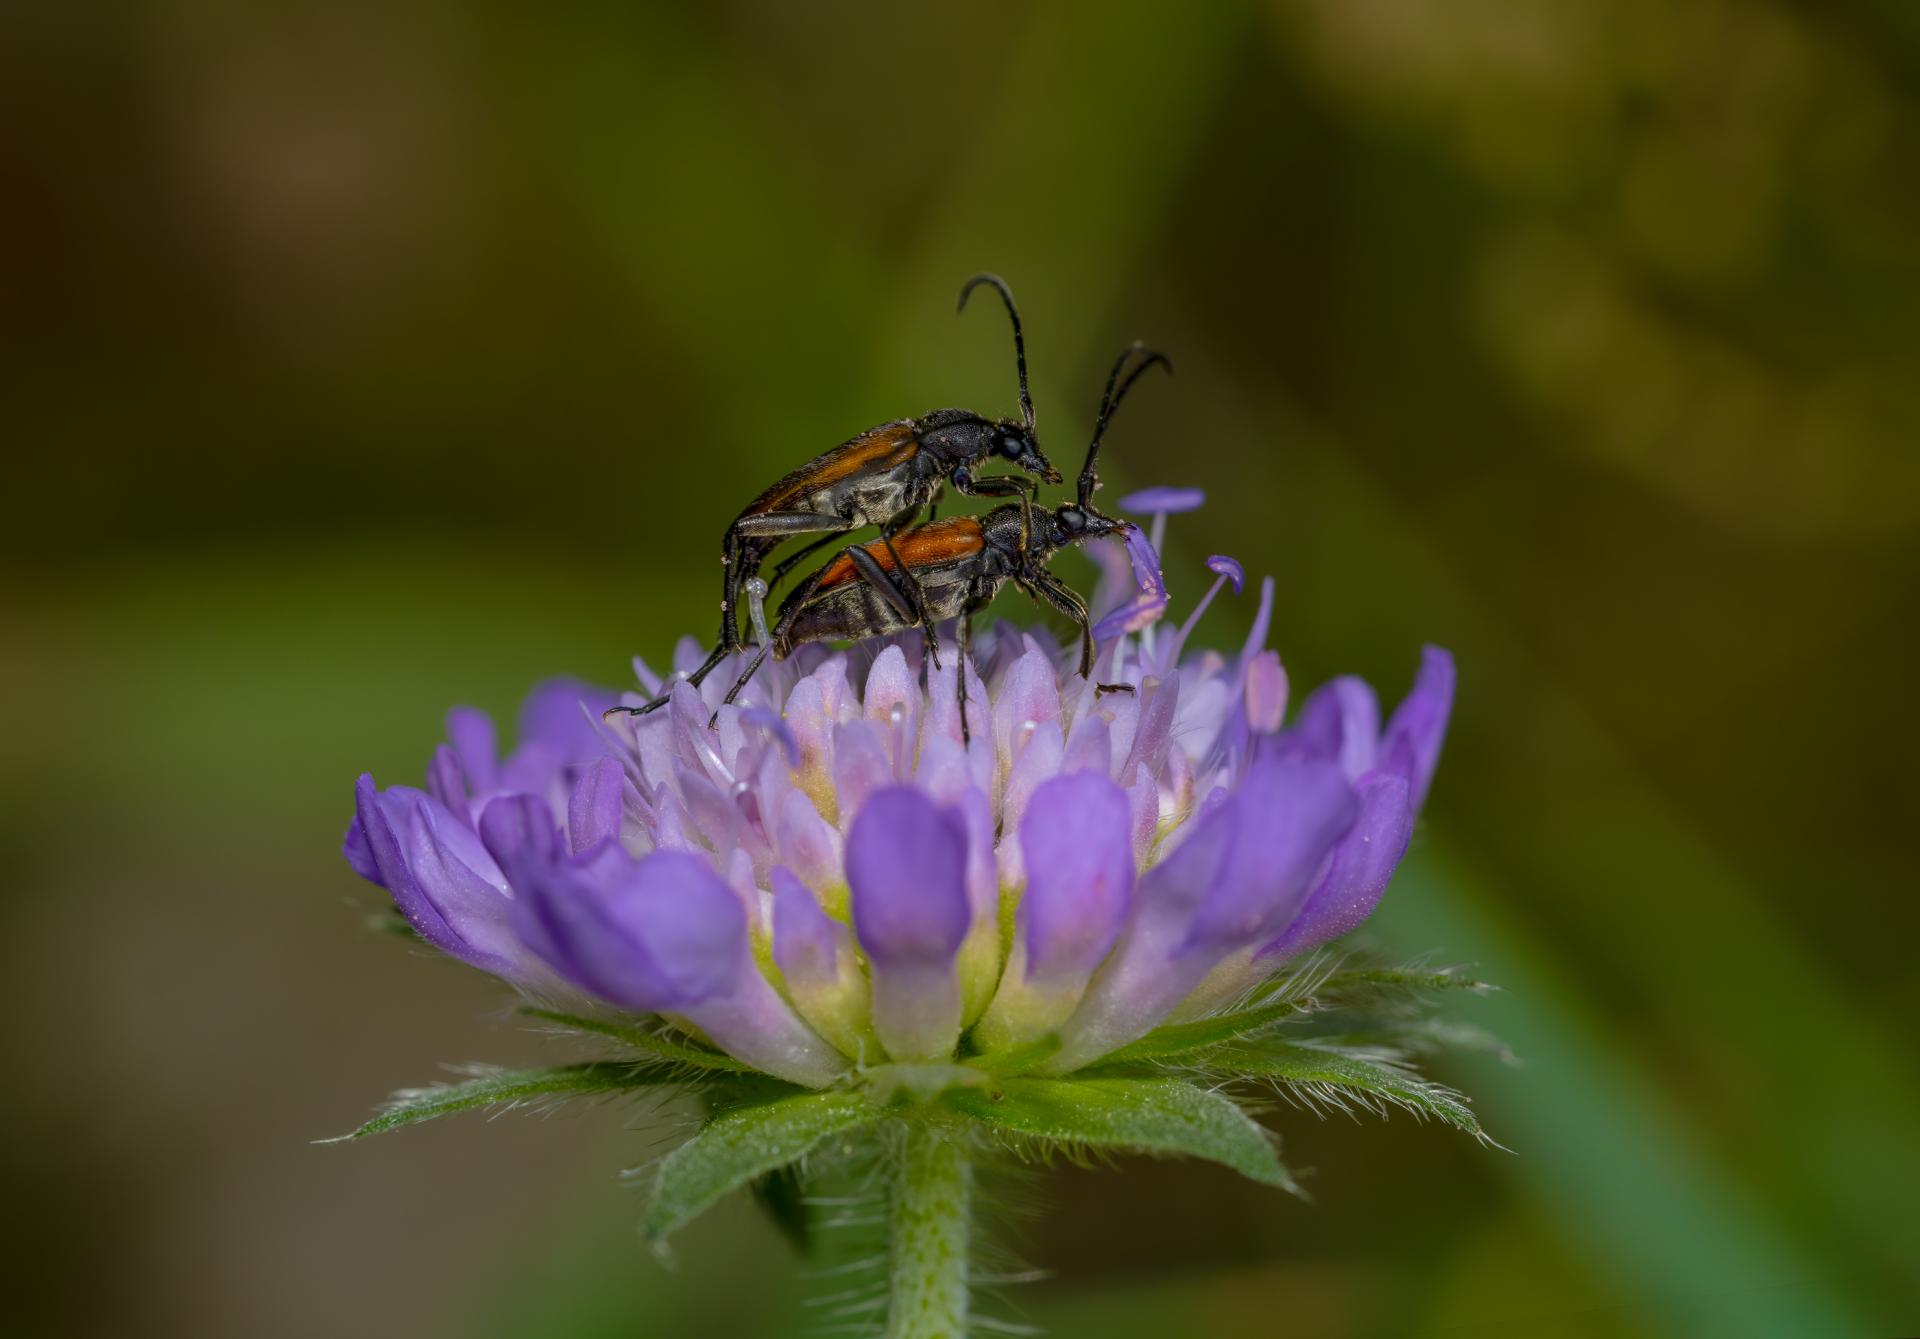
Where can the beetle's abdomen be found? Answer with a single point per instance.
(874, 452)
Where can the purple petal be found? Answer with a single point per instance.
(1357, 875)
(663, 933)
(1076, 843)
(667, 933)
(1162, 501)
(476, 744)
(1288, 815)
(593, 810)
(1238, 878)
(808, 944)
(551, 718)
(1421, 719)
(359, 852)
(517, 829)
(906, 866)
(443, 881)
(447, 783)
(1339, 720)
(1221, 565)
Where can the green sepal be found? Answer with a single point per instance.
(1327, 1075)
(655, 1045)
(743, 1143)
(1162, 1116)
(1020, 1058)
(509, 1087)
(1343, 985)
(1176, 1039)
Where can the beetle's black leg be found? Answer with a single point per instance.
(1067, 600)
(964, 633)
(994, 485)
(891, 585)
(907, 583)
(798, 556)
(786, 524)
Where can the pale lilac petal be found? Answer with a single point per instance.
(861, 765)
(807, 843)
(1266, 693)
(1143, 804)
(687, 656)
(714, 816)
(1090, 746)
(1162, 501)
(1262, 621)
(767, 719)
(1160, 705)
(1039, 761)
(1030, 693)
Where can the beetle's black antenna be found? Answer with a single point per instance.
(1109, 402)
(1019, 340)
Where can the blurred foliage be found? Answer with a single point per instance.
(357, 359)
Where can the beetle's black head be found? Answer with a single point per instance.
(1074, 523)
(1015, 441)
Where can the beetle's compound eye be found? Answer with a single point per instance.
(1011, 443)
(1072, 520)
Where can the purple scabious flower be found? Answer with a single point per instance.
(827, 878)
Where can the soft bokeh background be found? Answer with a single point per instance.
(359, 359)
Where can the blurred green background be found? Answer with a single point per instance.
(360, 359)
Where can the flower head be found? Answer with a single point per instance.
(829, 877)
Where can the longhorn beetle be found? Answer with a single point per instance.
(959, 565)
(883, 477)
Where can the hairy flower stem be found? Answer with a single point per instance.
(931, 1222)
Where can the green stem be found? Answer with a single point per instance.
(929, 1231)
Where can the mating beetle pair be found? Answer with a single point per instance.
(919, 576)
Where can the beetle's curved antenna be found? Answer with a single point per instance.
(1019, 340)
(1109, 402)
